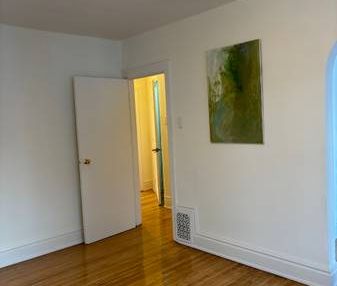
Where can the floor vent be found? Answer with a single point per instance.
(184, 225)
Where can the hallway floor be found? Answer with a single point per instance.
(146, 255)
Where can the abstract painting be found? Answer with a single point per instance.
(235, 94)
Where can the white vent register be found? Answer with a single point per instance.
(184, 224)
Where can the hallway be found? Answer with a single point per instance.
(143, 256)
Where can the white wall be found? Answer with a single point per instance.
(39, 196)
(270, 199)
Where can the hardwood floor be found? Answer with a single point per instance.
(146, 255)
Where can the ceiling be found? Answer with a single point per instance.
(114, 19)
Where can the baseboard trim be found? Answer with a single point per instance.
(168, 202)
(147, 185)
(334, 278)
(26, 252)
(265, 262)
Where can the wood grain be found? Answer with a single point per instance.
(146, 255)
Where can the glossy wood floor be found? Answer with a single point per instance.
(143, 256)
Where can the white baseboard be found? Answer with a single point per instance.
(147, 185)
(282, 267)
(39, 248)
(334, 278)
(168, 202)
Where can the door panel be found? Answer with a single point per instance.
(104, 137)
(158, 149)
(155, 178)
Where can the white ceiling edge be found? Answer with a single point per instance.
(110, 19)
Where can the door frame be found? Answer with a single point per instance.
(158, 140)
(161, 67)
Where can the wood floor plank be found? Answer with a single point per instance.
(146, 255)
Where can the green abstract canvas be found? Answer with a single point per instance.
(234, 94)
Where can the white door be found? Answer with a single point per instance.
(105, 156)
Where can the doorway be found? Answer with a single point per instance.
(152, 138)
(104, 112)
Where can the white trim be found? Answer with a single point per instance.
(334, 278)
(138, 127)
(135, 155)
(263, 251)
(149, 70)
(263, 261)
(331, 154)
(147, 185)
(281, 264)
(29, 251)
(254, 248)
